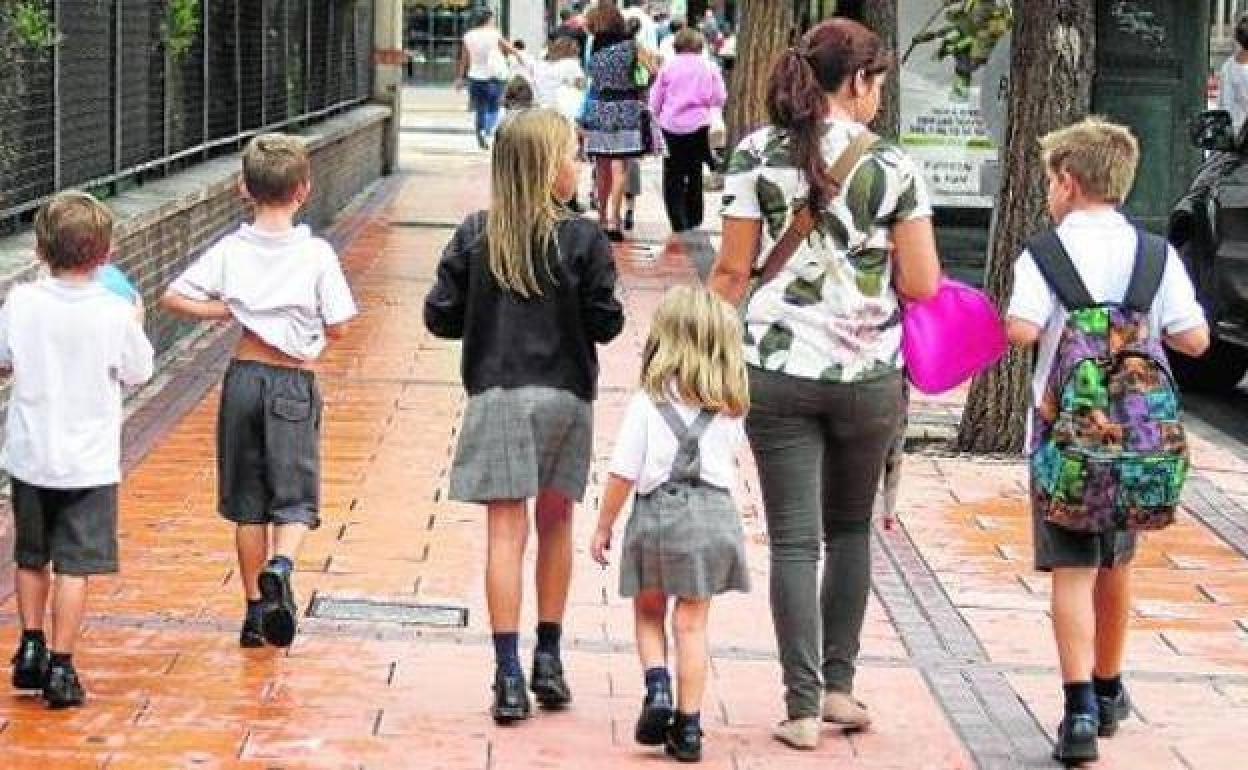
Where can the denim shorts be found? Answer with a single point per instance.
(73, 529)
(268, 445)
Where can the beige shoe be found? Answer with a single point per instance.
(800, 734)
(843, 709)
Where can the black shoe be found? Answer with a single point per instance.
(511, 698)
(482, 142)
(30, 665)
(684, 741)
(252, 634)
(63, 690)
(1076, 739)
(548, 684)
(1112, 711)
(277, 617)
(615, 236)
(656, 717)
(628, 219)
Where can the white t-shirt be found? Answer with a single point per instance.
(285, 288)
(1233, 91)
(71, 346)
(557, 86)
(646, 447)
(1102, 244)
(486, 61)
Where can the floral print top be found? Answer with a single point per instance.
(831, 313)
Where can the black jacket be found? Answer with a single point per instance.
(512, 342)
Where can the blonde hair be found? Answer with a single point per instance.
(694, 353)
(73, 231)
(523, 211)
(1101, 155)
(274, 167)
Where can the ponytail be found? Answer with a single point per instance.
(797, 103)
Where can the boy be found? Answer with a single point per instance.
(1090, 167)
(71, 343)
(286, 288)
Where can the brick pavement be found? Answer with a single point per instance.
(958, 662)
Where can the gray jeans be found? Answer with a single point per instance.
(820, 450)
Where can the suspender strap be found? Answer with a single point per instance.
(687, 464)
(1150, 266)
(1059, 271)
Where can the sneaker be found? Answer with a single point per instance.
(277, 616)
(1111, 711)
(1076, 740)
(655, 717)
(252, 633)
(802, 734)
(843, 709)
(30, 665)
(548, 684)
(511, 699)
(63, 690)
(683, 741)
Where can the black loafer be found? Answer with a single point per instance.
(655, 718)
(63, 690)
(548, 684)
(277, 618)
(1076, 740)
(684, 741)
(511, 699)
(252, 634)
(30, 666)
(1112, 711)
(628, 219)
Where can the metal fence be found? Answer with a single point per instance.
(110, 102)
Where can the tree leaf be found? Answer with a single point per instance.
(775, 208)
(833, 373)
(778, 153)
(774, 348)
(743, 161)
(804, 293)
(866, 193)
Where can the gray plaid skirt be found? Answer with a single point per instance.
(684, 539)
(516, 441)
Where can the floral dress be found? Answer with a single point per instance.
(831, 313)
(615, 120)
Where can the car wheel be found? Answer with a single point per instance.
(1219, 370)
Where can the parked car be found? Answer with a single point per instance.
(1209, 229)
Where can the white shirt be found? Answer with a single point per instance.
(1233, 91)
(486, 60)
(646, 447)
(1102, 245)
(557, 86)
(71, 347)
(285, 288)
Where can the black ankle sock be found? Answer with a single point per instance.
(507, 652)
(548, 635)
(62, 659)
(34, 635)
(1080, 698)
(282, 561)
(693, 720)
(1107, 688)
(657, 677)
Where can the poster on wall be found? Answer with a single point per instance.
(952, 94)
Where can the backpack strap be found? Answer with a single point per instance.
(1150, 266)
(1059, 270)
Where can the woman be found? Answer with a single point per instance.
(683, 100)
(615, 121)
(823, 344)
(483, 64)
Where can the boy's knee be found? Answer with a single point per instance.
(651, 603)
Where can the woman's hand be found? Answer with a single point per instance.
(599, 545)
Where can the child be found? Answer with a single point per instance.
(71, 344)
(531, 292)
(518, 94)
(286, 288)
(678, 447)
(1090, 167)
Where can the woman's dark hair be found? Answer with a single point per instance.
(803, 77)
(606, 22)
(1241, 31)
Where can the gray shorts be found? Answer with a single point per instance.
(268, 445)
(1057, 547)
(73, 529)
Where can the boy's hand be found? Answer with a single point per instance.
(599, 546)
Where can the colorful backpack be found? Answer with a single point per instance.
(1108, 450)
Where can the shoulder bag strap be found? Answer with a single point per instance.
(1150, 266)
(1059, 271)
(803, 223)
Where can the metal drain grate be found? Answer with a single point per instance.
(374, 611)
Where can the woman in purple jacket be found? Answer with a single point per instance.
(683, 99)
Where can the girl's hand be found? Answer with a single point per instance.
(599, 546)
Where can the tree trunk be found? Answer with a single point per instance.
(1051, 71)
(764, 28)
(881, 17)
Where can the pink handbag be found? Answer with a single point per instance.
(951, 337)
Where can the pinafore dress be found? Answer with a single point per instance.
(685, 538)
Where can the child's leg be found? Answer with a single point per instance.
(287, 537)
(68, 606)
(1074, 627)
(619, 185)
(508, 531)
(1112, 599)
(603, 179)
(689, 625)
(553, 512)
(649, 622)
(33, 586)
(252, 544)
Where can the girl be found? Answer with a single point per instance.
(531, 291)
(684, 540)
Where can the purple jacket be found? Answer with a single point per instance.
(685, 93)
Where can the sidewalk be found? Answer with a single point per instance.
(958, 662)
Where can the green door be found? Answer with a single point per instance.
(1152, 59)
